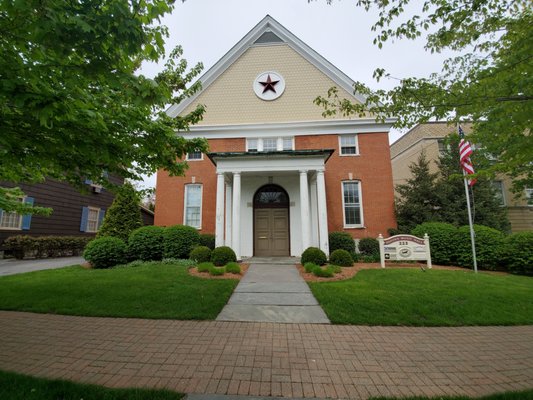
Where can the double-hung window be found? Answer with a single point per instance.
(91, 219)
(270, 144)
(499, 192)
(348, 145)
(351, 204)
(15, 221)
(193, 206)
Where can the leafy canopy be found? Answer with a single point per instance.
(488, 81)
(71, 102)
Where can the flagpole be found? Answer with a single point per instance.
(472, 236)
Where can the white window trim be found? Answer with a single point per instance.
(194, 159)
(22, 200)
(357, 153)
(279, 143)
(528, 198)
(502, 192)
(185, 203)
(351, 226)
(97, 219)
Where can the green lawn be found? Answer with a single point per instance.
(411, 297)
(16, 387)
(152, 290)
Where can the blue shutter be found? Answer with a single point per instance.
(1, 212)
(84, 218)
(101, 215)
(26, 219)
(88, 182)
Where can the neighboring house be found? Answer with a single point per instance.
(430, 138)
(74, 213)
(278, 176)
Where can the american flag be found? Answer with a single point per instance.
(465, 151)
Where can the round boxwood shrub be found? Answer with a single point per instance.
(179, 240)
(106, 252)
(200, 254)
(146, 243)
(369, 246)
(222, 255)
(341, 257)
(207, 240)
(314, 255)
(489, 247)
(519, 252)
(441, 240)
(341, 240)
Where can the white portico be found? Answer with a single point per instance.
(271, 203)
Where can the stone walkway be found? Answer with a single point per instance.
(273, 293)
(268, 359)
(12, 266)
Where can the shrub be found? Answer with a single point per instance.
(314, 255)
(216, 271)
(200, 254)
(223, 255)
(489, 247)
(205, 267)
(335, 268)
(179, 240)
(323, 272)
(45, 246)
(146, 243)
(369, 246)
(341, 240)
(441, 240)
(310, 267)
(207, 240)
(105, 252)
(341, 257)
(370, 259)
(178, 262)
(519, 252)
(233, 268)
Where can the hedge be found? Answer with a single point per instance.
(518, 249)
(369, 246)
(341, 240)
(442, 237)
(45, 246)
(106, 252)
(489, 247)
(146, 243)
(207, 240)
(179, 240)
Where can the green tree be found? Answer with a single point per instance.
(124, 215)
(72, 104)
(418, 200)
(488, 81)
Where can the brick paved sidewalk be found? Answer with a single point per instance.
(267, 359)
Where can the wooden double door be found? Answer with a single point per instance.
(271, 232)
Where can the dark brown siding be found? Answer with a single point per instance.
(67, 203)
(147, 216)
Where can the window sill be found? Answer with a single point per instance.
(349, 155)
(354, 227)
(10, 229)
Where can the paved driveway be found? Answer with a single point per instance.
(268, 359)
(12, 266)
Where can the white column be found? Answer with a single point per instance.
(228, 213)
(314, 239)
(236, 220)
(304, 208)
(219, 225)
(322, 212)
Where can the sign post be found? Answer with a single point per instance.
(404, 248)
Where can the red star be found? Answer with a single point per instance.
(269, 85)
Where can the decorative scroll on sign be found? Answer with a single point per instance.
(404, 248)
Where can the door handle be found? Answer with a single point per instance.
(263, 237)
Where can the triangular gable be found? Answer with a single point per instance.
(269, 31)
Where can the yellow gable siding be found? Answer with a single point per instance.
(231, 99)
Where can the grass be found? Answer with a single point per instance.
(524, 395)
(15, 387)
(411, 297)
(151, 290)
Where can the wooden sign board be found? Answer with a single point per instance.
(404, 248)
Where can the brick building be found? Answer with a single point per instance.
(278, 176)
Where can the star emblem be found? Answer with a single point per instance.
(269, 85)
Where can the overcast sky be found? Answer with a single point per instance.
(340, 32)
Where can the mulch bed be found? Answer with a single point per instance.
(194, 272)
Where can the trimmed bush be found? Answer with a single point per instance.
(489, 247)
(216, 271)
(335, 268)
(519, 252)
(205, 267)
(45, 246)
(200, 254)
(222, 255)
(369, 246)
(310, 267)
(106, 252)
(370, 259)
(441, 240)
(341, 257)
(314, 255)
(323, 272)
(146, 243)
(207, 240)
(233, 268)
(341, 240)
(179, 240)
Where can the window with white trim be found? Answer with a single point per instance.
(351, 204)
(193, 206)
(498, 192)
(348, 145)
(93, 219)
(529, 196)
(283, 143)
(194, 155)
(10, 220)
